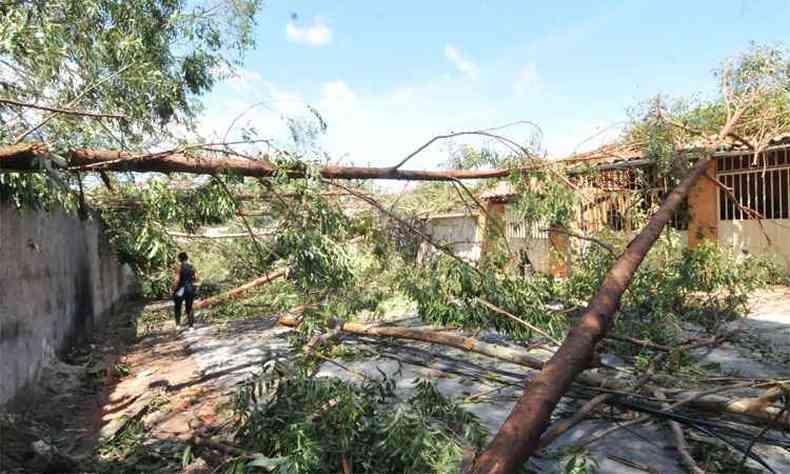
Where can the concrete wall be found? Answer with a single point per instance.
(459, 232)
(750, 237)
(58, 278)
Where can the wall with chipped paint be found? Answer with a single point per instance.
(58, 278)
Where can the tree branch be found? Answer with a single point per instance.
(62, 111)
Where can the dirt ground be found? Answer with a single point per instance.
(172, 390)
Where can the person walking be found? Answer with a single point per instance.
(184, 289)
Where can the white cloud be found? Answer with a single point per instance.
(463, 64)
(316, 34)
(383, 127)
(242, 78)
(262, 107)
(337, 95)
(527, 81)
(579, 136)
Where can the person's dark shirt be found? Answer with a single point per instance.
(186, 275)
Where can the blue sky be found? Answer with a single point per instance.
(387, 76)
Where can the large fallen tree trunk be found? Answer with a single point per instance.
(760, 409)
(519, 436)
(238, 292)
(518, 356)
(25, 158)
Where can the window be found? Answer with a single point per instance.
(763, 187)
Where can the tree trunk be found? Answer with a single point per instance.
(515, 355)
(237, 292)
(22, 158)
(760, 409)
(518, 437)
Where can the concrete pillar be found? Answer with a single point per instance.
(487, 230)
(559, 253)
(703, 202)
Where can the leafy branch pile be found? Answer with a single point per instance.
(304, 424)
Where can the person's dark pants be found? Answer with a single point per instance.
(187, 299)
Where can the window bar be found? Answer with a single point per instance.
(769, 200)
(755, 194)
(739, 196)
(775, 199)
(722, 202)
(730, 211)
(779, 193)
(765, 195)
(736, 182)
(750, 204)
(749, 191)
(783, 192)
(744, 195)
(785, 189)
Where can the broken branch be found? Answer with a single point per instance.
(238, 292)
(60, 110)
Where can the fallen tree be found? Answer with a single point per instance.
(238, 292)
(518, 356)
(760, 408)
(519, 436)
(26, 157)
(753, 84)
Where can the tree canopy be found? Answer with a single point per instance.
(143, 61)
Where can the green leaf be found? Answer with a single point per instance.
(270, 464)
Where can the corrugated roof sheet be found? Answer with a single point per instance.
(503, 189)
(615, 152)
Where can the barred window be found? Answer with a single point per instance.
(766, 191)
(768, 159)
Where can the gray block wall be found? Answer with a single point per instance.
(58, 278)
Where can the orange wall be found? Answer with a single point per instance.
(704, 210)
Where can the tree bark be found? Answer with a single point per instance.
(759, 409)
(243, 235)
(519, 436)
(237, 292)
(22, 158)
(515, 355)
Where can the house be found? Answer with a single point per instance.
(743, 203)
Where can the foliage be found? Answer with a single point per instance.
(575, 460)
(467, 157)
(315, 261)
(448, 293)
(545, 198)
(309, 424)
(138, 219)
(310, 236)
(707, 285)
(36, 191)
(144, 59)
(755, 96)
(428, 198)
